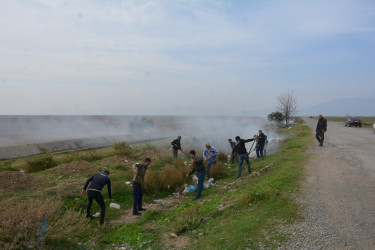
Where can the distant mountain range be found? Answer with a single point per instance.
(364, 106)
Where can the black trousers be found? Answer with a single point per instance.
(96, 195)
(320, 137)
(137, 197)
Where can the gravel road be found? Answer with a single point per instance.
(338, 192)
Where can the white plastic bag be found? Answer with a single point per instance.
(114, 205)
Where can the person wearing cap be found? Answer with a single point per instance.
(243, 155)
(198, 166)
(176, 146)
(209, 155)
(139, 170)
(94, 192)
(321, 128)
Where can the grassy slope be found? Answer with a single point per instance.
(257, 206)
(254, 207)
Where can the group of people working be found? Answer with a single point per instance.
(200, 164)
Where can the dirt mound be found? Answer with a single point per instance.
(13, 180)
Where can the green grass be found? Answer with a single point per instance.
(255, 208)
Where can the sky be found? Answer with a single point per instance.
(114, 57)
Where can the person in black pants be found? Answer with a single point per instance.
(321, 128)
(176, 146)
(94, 192)
(139, 180)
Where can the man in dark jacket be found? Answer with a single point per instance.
(176, 146)
(243, 155)
(139, 180)
(261, 139)
(198, 166)
(98, 181)
(321, 128)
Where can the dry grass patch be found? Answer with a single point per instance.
(14, 180)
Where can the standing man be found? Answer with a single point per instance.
(176, 146)
(139, 180)
(321, 128)
(98, 181)
(243, 155)
(234, 154)
(198, 166)
(261, 139)
(209, 155)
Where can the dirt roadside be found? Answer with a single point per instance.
(339, 192)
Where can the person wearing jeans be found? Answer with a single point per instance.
(209, 155)
(243, 155)
(198, 166)
(139, 180)
(261, 139)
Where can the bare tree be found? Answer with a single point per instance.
(287, 105)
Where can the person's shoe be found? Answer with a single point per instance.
(137, 214)
(320, 145)
(195, 199)
(142, 209)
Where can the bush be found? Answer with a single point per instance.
(217, 171)
(173, 176)
(40, 163)
(122, 148)
(152, 180)
(223, 157)
(187, 220)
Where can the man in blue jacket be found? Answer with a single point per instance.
(94, 192)
(209, 155)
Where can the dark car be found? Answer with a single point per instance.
(353, 121)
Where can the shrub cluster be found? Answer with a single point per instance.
(122, 148)
(40, 163)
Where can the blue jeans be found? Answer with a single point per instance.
(240, 161)
(137, 197)
(259, 151)
(201, 176)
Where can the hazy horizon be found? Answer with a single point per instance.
(182, 57)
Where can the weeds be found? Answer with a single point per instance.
(20, 220)
(40, 163)
(122, 148)
(187, 220)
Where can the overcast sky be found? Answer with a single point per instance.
(181, 57)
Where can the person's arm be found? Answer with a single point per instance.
(215, 151)
(109, 189)
(248, 140)
(86, 184)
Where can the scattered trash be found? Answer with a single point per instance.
(77, 199)
(207, 185)
(128, 183)
(211, 180)
(191, 188)
(114, 205)
(195, 178)
(97, 214)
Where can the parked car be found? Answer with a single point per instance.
(353, 121)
